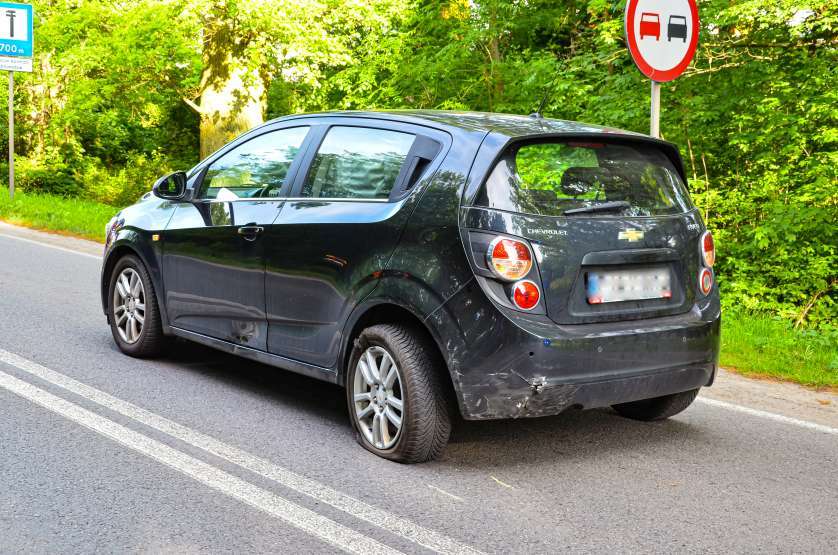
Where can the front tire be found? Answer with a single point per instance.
(659, 408)
(397, 400)
(132, 310)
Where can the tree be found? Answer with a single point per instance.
(755, 115)
(246, 44)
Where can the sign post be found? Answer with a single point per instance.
(12, 135)
(16, 48)
(662, 37)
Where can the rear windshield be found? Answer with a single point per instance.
(551, 178)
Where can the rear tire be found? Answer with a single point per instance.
(145, 338)
(415, 385)
(659, 408)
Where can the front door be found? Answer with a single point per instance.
(213, 250)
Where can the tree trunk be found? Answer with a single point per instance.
(233, 96)
(495, 58)
(232, 101)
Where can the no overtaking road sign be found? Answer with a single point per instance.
(662, 36)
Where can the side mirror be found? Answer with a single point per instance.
(171, 187)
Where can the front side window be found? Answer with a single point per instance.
(551, 179)
(255, 169)
(357, 163)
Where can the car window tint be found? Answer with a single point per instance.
(255, 169)
(357, 162)
(550, 178)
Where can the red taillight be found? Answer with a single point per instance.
(525, 295)
(705, 280)
(509, 259)
(708, 249)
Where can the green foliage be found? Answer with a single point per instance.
(756, 114)
(121, 185)
(42, 176)
(757, 345)
(73, 216)
(105, 99)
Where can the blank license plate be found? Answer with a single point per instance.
(629, 285)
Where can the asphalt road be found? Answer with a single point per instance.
(202, 452)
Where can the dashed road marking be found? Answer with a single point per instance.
(502, 483)
(443, 492)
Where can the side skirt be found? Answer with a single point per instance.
(277, 361)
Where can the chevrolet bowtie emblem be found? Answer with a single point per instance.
(631, 235)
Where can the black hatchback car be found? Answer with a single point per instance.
(502, 266)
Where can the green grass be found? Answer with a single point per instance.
(758, 345)
(82, 218)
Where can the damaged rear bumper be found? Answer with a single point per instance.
(513, 365)
(514, 396)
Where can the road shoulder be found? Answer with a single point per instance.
(83, 246)
(786, 399)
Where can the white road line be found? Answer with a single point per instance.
(319, 526)
(49, 246)
(443, 492)
(769, 415)
(267, 469)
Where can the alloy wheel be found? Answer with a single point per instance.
(129, 305)
(378, 397)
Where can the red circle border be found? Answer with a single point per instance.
(642, 65)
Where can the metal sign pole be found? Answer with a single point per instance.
(16, 51)
(655, 127)
(12, 135)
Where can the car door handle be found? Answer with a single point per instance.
(250, 232)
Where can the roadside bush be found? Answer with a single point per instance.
(123, 185)
(45, 177)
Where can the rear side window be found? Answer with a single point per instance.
(357, 163)
(551, 178)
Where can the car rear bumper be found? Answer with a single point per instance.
(514, 365)
(515, 397)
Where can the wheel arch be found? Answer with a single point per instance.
(391, 312)
(119, 250)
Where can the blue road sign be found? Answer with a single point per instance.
(16, 30)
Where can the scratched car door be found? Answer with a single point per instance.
(213, 263)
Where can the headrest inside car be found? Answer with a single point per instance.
(579, 180)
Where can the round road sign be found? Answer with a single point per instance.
(662, 36)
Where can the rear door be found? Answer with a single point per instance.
(336, 232)
(613, 230)
(214, 247)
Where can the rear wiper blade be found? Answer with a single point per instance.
(604, 207)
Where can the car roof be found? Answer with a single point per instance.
(513, 126)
